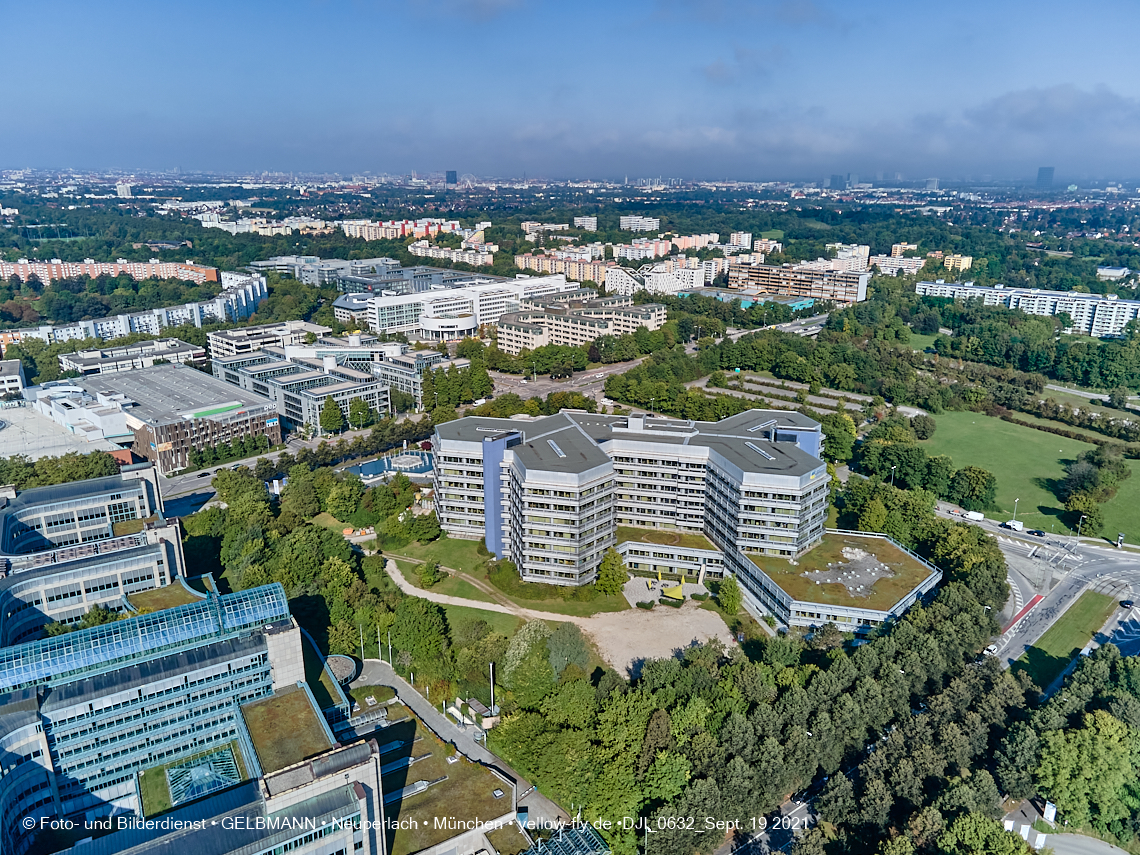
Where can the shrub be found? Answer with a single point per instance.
(666, 601)
(648, 606)
(700, 597)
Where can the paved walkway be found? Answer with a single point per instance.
(376, 672)
(506, 608)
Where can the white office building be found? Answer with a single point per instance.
(552, 494)
(1097, 315)
(659, 279)
(590, 224)
(451, 313)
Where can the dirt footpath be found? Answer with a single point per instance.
(626, 639)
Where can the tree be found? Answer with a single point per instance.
(420, 628)
(359, 413)
(344, 499)
(1085, 770)
(612, 574)
(1118, 397)
(974, 834)
(331, 418)
(429, 573)
(973, 488)
(566, 646)
(729, 595)
(402, 402)
(924, 426)
(1084, 505)
(667, 776)
(873, 517)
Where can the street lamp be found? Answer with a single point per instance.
(1015, 501)
(1080, 522)
(893, 475)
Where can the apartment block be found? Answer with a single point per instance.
(659, 279)
(641, 248)
(573, 319)
(898, 250)
(766, 245)
(893, 265)
(12, 378)
(788, 280)
(960, 263)
(483, 254)
(574, 269)
(1099, 315)
(142, 354)
(639, 224)
(590, 224)
(742, 239)
(240, 297)
(48, 271)
(398, 229)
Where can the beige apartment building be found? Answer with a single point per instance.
(575, 270)
(842, 287)
(574, 320)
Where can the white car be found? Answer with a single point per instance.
(599, 376)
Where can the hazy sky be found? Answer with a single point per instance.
(690, 88)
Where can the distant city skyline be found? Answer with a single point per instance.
(706, 89)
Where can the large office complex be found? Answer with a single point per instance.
(404, 370)
(179, 697)
(299, 379)
(67, 548)
(552, 494)
(838, 286)
(658, 279)
(172, 409)
(141, 354)
(451, 313)
(313, 270)
(239, 299)
(243, 340)
(1097, 315)
(573, 318)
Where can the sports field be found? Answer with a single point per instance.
(1027, 463)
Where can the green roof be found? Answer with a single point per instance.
(794, 580)
(664, 537)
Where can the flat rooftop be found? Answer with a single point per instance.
(285, 728)
(169, 393)
(664, 537)
(736, 438)
(847, 569)
(25, 431)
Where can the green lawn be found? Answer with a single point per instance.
(156, 792)
(166, 597)
(575, 608)
(449, 585)
(1027, 462)
(327, 520)
(449, 552)
(919, 341)
(1053, 652)
(501, 623)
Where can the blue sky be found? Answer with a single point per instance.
(689, 88)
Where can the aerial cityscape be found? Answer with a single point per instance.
(729, 460)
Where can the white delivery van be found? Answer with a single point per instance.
(1015, 525)
(973, 516)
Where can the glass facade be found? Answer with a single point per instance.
(90, 651)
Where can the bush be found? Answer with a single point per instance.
(700, 597)
(648, 606)
(666, 601)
